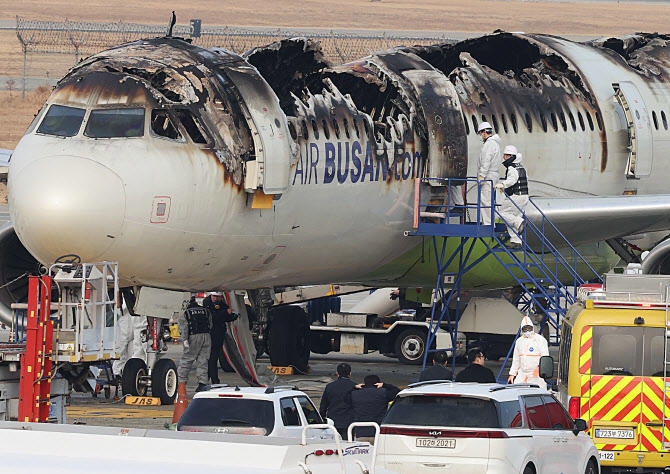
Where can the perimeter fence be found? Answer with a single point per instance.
(58, 45)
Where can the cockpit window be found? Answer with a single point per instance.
(62, 121)
(114, 123)
(162, 125)
(191, 125)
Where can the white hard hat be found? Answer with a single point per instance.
(214, 293)
(510, 150)
(484, 126)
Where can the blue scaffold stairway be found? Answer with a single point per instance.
(546, 267)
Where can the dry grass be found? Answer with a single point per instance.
(18, 112)
(556, 17)
(560, 17)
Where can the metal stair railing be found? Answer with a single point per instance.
(538, 275)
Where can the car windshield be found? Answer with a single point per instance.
(228, 412)
(441, 410)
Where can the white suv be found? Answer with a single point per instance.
(483, 428)
(264, 411)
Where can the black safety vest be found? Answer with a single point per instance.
(521, 186)
(198, 320)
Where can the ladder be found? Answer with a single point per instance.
(36, 361)
(548, 272)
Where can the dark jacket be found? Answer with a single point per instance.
(220, 317)
(436, 372)
(476, 373)
(370, 404)
(336, 403)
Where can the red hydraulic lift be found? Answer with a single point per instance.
(36, 361)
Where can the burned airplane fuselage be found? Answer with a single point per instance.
(198, 168)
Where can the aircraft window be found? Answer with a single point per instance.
(326, 131)
(305, 132)
(346, 128)
(561, 117)
(62, 121)
(291, 130)
(664, 120)
(655, 119)
(467, 125)
(162, 125)
(495, 122)
(581, 121)
(115, 123)
(336, 128)
(512, 119)
(504, 122)
(474, 122)
(589, 119)
(543, 120)
(358, 132)
(572, 121)
(315, 129)
(529, 123)
(36, 119)
(191, 124)
(554, 122)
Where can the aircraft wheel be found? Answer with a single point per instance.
(133, 378)
(164, 381)
(288, 337)
(410, 346)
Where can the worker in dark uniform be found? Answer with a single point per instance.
(439, 369)
(221, 314)
(476, 371)
(370, 402)
(336, 400)
(194, 326)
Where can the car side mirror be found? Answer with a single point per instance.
(546, 367)
(580, 425)
(330, 422)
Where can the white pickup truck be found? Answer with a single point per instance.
(29, 448)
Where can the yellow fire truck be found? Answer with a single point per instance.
(613, 364)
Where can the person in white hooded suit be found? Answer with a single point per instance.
(515, 188)
(527, 352)
(488, 168)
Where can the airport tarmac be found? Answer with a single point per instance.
(99, 411)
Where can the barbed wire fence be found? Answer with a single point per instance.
(40, 39)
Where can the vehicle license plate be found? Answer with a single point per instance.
(435, 443)
(621, 434)
(606, 456)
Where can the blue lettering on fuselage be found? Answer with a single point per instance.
(343, 161)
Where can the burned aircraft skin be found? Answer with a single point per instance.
(244, 167)
(200, 169)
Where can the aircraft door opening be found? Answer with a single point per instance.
(640, 157)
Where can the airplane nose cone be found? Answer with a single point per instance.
(66, 205)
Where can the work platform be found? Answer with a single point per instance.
(547, 272)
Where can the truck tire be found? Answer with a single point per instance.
(288, 338)
(164, 381)
(133, 378)
(410, 346)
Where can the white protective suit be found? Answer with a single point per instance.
(509, 211)
(130, 342)
(490, 161)
(528, 349)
